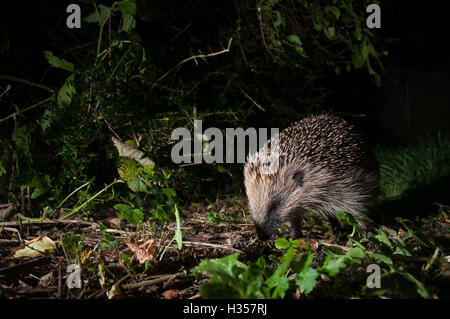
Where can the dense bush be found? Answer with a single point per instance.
(138, 69)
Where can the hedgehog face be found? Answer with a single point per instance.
(273, 198)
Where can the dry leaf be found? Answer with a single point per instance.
(46, 280)
(143, 252)
(101, 275)
(171, 294)
(115, 292)
(35, 248)
(126, 150)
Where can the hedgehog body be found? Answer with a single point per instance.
(319, 164)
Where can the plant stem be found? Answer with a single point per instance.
(75, 210)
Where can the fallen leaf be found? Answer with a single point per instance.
(101, 275)
(171, 294)
(143, 252)
(126, 150)
(115, 292)
(35, 248)
(46, 280)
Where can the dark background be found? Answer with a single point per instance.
(413, 99)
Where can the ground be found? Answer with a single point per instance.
(121, 260)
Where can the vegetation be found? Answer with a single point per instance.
(86, 171)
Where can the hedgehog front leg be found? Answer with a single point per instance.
(295, 225)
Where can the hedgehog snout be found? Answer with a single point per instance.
(262, 233)
(267, 229)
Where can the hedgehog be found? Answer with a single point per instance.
(320, 164)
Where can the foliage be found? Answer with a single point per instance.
(304, 270)
(118, 82)
(416, 166)
(233, 279)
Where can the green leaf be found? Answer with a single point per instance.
(2, 170)
(219, 290)
(382, 258)
(295, 243)
(282, 243)
(178, 234)
(332, 266)
(295, 39)
(128, 23)
(100, 16)
(66, 92)
(355, 252)
(306, 280)
(358, 34)
(58, 63)
(351, 221)
(305, 260)
(40, 184)
(329, 32)
(224, 268)
(129, 171)
(46, 121)
(127, 6)
(333, 10)
(383, 239)
(279, 21)
(420, 288)
(170, 193)
(281, 287)
(132, 215)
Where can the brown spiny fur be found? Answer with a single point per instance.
(325, 166)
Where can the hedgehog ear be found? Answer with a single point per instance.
(298, 176)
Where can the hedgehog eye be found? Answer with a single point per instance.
(298, 177)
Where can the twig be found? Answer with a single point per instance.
(29, 198)
(13, 158)
(22, 208)
(38, 85)
(150, 282)
(179, 33)
(59, 280)
(254, 102)
(189, 164)
(9, 242)
(191, 58)
(48, 221)
(261, 28)
(6, 212)
(25, 109)
(14, 231)
(195, 244)
(23, 266)
(5, 91)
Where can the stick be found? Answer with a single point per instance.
(195, 243)
(150, 282)
(38, 85)
(191, 58)
(48, 221)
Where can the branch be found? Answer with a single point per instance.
(38, 85)
(191, 58)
